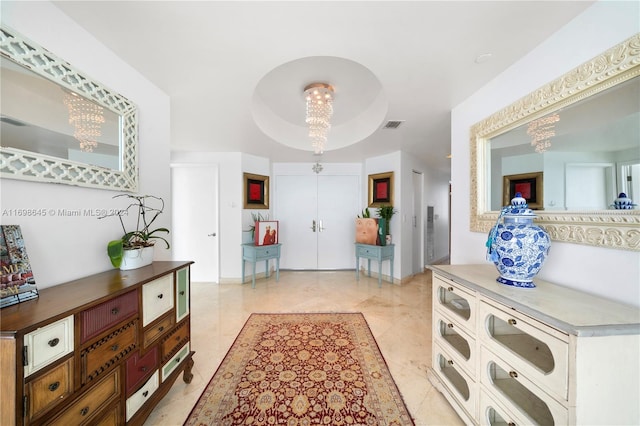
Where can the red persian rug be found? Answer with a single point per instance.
(302, 369)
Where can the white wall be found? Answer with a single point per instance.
(436, 188)
(614, 274)
(62, 248)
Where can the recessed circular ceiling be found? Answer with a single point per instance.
(359, 107)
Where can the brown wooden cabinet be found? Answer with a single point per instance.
(104, 349)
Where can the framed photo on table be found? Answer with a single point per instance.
(266, 233)
(527, 184)
(381, 189)
(256, 191)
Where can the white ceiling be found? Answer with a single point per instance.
(211, 56)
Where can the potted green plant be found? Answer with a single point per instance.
(135, 248)
(249, 234)
(386, 212)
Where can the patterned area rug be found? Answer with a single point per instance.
(302, 369)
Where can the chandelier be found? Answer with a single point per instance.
(319, 97)
(87, 119)
(541, 132)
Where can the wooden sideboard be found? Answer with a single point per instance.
(549, 355)
(104, 349)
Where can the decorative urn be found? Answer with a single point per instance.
(623, 202)
(517, 246)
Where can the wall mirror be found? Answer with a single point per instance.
(58, 125)
(579, 136)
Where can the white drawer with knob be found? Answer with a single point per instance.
(530, 346)
(137, 400)
(455, 300)
(519, 393)
(157, 298)
(47, 344)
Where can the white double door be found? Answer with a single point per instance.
(317, 220)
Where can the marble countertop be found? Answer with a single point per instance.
(569, 310)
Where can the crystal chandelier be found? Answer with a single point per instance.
(541, 132)
(87, 119)
(319, 97)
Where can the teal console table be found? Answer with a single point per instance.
(379, 253)
(253, 253)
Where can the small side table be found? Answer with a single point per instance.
(379, 253)
(254, 253)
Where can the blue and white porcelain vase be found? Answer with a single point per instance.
(517, 246)
(623, 202)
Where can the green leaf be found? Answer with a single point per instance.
(115, 250)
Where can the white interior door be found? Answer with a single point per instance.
(338, 205)
(316, 217)
(296, 203)
(417, 245)
(195, 219)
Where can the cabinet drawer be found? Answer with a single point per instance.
(107, 351)
(49, 390)
(157, 298)
(104, 316)
(111, 417)
(91, 404)
(367, 252)
(455, 341)
(493, 414)
(139, 368)
(518, 393)
(137, 400)
(462, 387)
(171, 343)
(453, 298)
(266, 253)
(153, 332)
(529, 346)
(182, 294)
(174, 362)
(47, 344)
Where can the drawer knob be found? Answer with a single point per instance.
(450, 325)
(512, 321)
(54, 342)
(511, 424)
(84, 411)
(145, 393)
(161, 328)
(143, 368)
(54, 386)
(160, 296)
(182, 293)
(115, 347)
(513, 374)
(178, 360)
(115, 311)
(450, 289)
(450, 362)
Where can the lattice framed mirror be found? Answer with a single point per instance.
(59, 125)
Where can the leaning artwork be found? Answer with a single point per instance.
(17, 283)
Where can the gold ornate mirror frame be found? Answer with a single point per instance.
(607, 228)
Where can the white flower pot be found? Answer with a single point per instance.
(136, 258)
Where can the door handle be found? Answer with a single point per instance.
(320, 227)
(313, 225)
(211, 235)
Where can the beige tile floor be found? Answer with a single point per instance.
(399, 317)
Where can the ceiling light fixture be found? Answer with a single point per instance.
(541, 132)
(87, 119)
(319, 100)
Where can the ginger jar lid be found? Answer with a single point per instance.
(519, 208)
